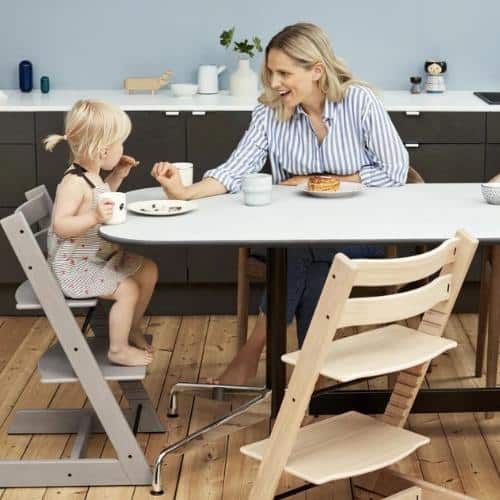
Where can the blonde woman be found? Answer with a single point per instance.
(84, 264)
(313, 117)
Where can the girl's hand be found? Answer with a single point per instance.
(169, 179)
(104, 211)
(295, 181)
(122, 168)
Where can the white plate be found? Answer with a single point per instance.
(345, 189)
(162, 207)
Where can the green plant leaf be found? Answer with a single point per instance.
(244, 47)
(226, 37)
(257, 43)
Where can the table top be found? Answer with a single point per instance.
(415, 213)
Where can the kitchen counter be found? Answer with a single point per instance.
(62, 100)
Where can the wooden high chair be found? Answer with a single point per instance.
(353, 444)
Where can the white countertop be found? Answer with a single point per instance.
(411, 213)
(62, 100)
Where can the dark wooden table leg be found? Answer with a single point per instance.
(493, 320)
(276, 325)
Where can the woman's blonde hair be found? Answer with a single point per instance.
(91, 126)
(307, 44)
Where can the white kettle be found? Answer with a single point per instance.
(208, 81)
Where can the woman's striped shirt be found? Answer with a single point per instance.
(360, 139)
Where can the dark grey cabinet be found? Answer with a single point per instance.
(17, 173)
(448, 162)
(211, 138)
(16, 128)
(440, 127)
(50, 165)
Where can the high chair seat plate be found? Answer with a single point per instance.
(27, 300)
(378, 352)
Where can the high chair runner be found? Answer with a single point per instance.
(353, 444)
(74, 358)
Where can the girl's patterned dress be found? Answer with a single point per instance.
(87, 265)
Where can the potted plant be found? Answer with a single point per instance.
(243, 82)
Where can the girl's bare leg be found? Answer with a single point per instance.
(120, 352)
(146, 278)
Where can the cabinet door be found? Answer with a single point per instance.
(16, 127)
(448, 162)
(155, 137)
(492, 161)
(493, 127)
(211, 138)
(17, 173)
(50, 165)
(440, 127)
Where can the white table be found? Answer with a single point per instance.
(415, 213)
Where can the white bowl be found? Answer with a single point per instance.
(491, 192)
(183, 89)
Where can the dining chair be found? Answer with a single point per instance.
(354, 445)
(251, 269)
(73, 358)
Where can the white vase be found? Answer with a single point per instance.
(243, 82)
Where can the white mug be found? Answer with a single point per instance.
(257, 189)
(119, 208)
(185, 171)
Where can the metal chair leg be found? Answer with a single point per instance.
(263, 393)
(218, 391)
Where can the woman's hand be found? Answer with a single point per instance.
(122, 168)
(169, 179)
(295, 181)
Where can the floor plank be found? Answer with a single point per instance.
(464, 453)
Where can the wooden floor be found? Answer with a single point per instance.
(464, 454)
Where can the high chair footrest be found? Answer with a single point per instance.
(344, 446)
(378, 352)
(54, 366)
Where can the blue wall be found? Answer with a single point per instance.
(97, 43)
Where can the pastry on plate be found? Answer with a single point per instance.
(323, 183)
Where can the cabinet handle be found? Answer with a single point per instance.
(198, 113)
(412, 145)
(172, 113)
(412, 113)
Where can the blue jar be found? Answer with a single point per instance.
(25, 76)
(44, 84)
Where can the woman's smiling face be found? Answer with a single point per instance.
(294, 83)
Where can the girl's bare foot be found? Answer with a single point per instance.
(137, 339)
(130, 356)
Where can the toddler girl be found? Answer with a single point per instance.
(85, 264)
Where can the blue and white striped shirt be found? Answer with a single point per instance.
(360, 139)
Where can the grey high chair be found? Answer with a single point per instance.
(74, 358)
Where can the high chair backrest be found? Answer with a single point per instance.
(38, 210)
(29, 247)
(435, 300)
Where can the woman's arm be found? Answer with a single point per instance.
(248, 157)
(169, 179)
(390, 160)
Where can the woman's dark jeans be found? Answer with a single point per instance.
(307, 269)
